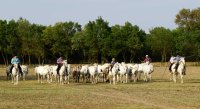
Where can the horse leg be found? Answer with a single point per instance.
(41, 79)
(38, 78)
(117, 78)
(61, 80)
(24, 75)
(95, 78)
(47, 78)
(174, 77)
(12, 78)
(68, 79)
(144, 76)
(58, 79)
(110, 78)
(126, 78)
(113, 81)
(17, 79)
(51, 78)
(103, 77)
(135, 77)
(181, 75)
(170, 76)
(150, 77)
(92, 78)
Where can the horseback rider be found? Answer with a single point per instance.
(112, 63)
(176, 61)
(15, 60)
(171, 62)
(147, 59)
(59, 63)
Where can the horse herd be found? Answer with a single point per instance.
(94, 73)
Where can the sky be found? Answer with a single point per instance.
(146, 14)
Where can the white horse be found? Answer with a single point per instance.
(84, 73)
(93, 73)
(15, 74)
(113, 72)
(53, 73)
(146, 69)
(42, 72)
(24, 71)
(103, 71)
(63, 73)
(180, 69)
(133, 69)
(76, 73)
(8, 73)
(123, 71)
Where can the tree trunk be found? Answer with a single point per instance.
(29, 59)
(22, 58)
(4, 58)
(124, 56)
(39, 60)
(7, 62)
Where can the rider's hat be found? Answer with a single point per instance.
(113, 59)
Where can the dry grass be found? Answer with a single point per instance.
(158, 94)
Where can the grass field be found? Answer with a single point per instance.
(160, 93)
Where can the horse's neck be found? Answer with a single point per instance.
(15, 68)
(15, 65)
(181, 64)
(115, 68)
(63, 66)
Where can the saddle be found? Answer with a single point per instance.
(19, 67)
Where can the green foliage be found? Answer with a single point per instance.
(188, 19)
(99, 42)
(161, 39)
(58, 37)
(95, 34)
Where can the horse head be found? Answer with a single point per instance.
(64, 63)
(116, 66)
(15, 65)
(182, 60)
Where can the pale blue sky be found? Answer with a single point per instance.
(144, 13)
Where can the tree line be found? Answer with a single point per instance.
(98, 42)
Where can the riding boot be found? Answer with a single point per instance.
(176, 67)
(184, 70)
(11, 68)
(66, 71)
(170, 68)
(57, 71)
(20, 70)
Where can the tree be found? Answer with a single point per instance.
(161, 39)
(95, 33)
(188, 19)
(78, 45)
(134, 41)
(188, 30)
(12, 39)
(26, 36)
(58, 37)
(38, 42)
(3, 42)
(126, 40)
